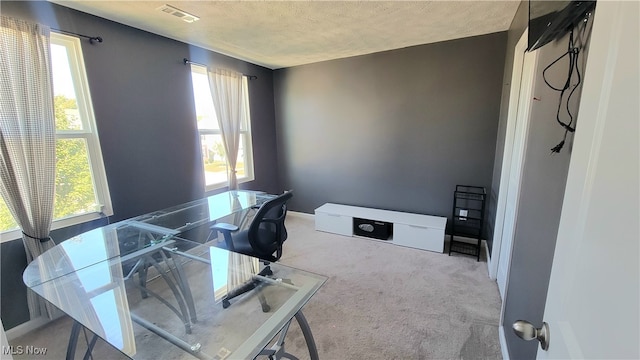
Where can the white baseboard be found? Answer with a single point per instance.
(300, 214)
(27, 327)
(503, 343)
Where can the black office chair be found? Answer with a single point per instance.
(263, 239)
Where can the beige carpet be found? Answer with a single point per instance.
(389, 302)
(381, 302)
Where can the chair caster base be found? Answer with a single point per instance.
(225, 303)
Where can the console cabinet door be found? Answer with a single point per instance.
(418, 237)
(334, 223)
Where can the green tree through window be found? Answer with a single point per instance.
(74, 185)
(6, 220)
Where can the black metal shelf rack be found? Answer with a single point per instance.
(468, 220)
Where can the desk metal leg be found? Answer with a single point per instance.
(277, 351)
(92, 343)
(73, 342)
(142, 279)
(191, 349)
(176, 293)
(183, 284)
(308, 336)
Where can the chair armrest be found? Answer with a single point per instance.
(224, 227)
(226, 230)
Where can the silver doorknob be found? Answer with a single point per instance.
(526, 331)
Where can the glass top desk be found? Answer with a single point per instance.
(152, 288)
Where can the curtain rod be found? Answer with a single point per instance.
(187, 62)
(91, 38)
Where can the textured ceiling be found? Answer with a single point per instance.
(278, 34)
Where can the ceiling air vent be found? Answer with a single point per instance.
(185, 16)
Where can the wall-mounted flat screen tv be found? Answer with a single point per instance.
(550, 20)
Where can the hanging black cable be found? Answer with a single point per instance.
(573, 52)
(91, 38)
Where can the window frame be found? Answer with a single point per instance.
(89, 134)
(245, 135)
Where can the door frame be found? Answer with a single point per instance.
(519, 113)
(519, 108)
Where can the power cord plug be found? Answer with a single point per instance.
(556, 149)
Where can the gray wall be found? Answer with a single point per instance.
(542, 189)
(143, 103)
(394, 130)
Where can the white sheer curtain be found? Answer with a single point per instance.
(241, 267)
(27, 135)
(228, 100)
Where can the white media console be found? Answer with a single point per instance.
(415, 230)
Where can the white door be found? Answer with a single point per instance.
(522, 81)
(593, 299)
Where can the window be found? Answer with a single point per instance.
(212, 149)
(81, 191)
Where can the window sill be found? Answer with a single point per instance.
(225, 184)
(58, 224)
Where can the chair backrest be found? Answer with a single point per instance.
(267, 231)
